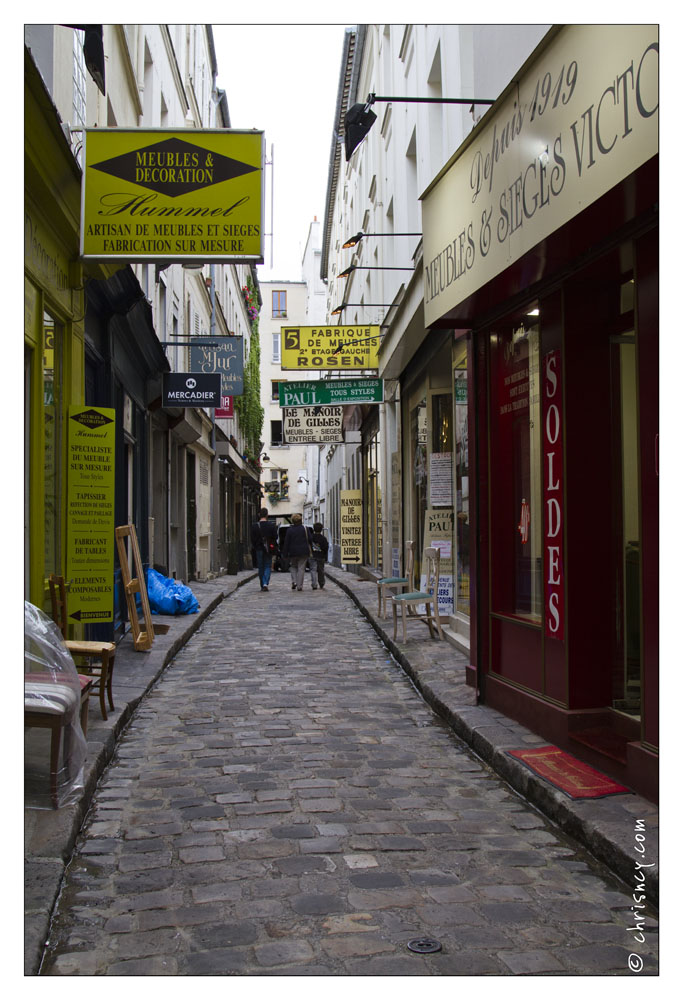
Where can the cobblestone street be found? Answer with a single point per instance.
(284, 803)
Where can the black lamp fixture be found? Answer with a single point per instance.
(359, 119)
(356, 267)
(368, 305)
(354, 240)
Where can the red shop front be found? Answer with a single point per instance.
(541, 242)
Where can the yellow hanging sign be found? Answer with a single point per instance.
(164, 195)
(347, 348)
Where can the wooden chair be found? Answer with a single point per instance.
(49, 704)
(429, 597)
(390, 583)
(98, 656)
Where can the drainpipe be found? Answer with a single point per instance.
(168, 501)
(215, 476)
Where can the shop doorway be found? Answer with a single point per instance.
(191, 517)
(626, 675)
(418, 478)
(462, 481)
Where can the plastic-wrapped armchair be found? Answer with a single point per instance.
(429, 598)
(391, 583)
(55, 698)
(97, 657)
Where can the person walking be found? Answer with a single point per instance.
(319, 547)
(263, 546)
(297, 548)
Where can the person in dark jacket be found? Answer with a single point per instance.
(319, 546)
(297, 549)
(263, 546)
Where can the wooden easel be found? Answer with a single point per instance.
(143, 637)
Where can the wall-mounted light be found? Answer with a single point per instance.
(368, 305)
(359, 119)
(359, 236)
(362, 267)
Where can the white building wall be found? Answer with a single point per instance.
(290, 460)
(378, 190)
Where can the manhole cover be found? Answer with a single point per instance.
(424, 946)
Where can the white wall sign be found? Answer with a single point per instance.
(351, 526)
(312, 424)
(583, 117)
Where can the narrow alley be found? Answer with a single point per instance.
(284, 802)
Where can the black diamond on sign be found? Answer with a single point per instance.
(91, 418)
(173, 167)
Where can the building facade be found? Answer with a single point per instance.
(375, 191)
(519, 355)
(102, 334)
(291, 473)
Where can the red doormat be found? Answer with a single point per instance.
(570, 775)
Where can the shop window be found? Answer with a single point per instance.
(462, 483)
(626, 516)
(418, 459)
(373, 503)
(516, 471)
(439, 520)
(52, 407)
(28, 369)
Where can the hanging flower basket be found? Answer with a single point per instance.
(250, 302)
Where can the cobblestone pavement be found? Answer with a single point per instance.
(284, 803)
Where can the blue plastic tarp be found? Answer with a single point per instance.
(169, 597)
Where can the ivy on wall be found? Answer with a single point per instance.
(248, 406)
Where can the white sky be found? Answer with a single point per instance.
(283, 78)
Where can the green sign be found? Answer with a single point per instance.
(332, 392)
(90, 514)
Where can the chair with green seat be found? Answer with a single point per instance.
(391, 583)
(429, 597)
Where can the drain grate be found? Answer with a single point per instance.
(424, 945)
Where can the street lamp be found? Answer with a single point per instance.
(359, 236)
(369, 305)
(356, 267)
(359, 119)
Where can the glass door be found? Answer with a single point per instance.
(462, 482)
(418, 479)
(626, 679)
(373, 503)
(52, 406)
